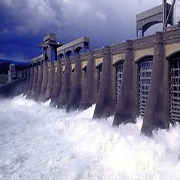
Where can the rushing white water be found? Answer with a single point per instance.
(40, 142)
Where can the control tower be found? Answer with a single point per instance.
(49, 45)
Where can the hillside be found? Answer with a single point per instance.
(4, 65)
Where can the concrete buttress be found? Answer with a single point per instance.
(57, 84)
(50, 83)
(27, 81)
(89, 91)
(105, 103)
(66, 85)
(44, 81)
(39, 81)
(126, 109)
(33, 91)
(30, 82)
(76, 89)
(157, 108)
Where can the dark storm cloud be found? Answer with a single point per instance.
(23, 23)
(10, 17)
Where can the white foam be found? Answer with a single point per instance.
(40, 142)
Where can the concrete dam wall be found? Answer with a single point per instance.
(138, 77)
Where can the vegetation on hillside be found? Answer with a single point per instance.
(3, 79)
(4, 65)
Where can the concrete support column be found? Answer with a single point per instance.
(164, 2)
(49, 53)
(157, 108)
(30, 82)
(27, 81)
(44, 81)
(105, 102)
(83, 71)
(57, 84)
(127, 109)
(39, 81)
(76, 89)
(50, 84)
(66, 85)
(114, 84)
(96, 83)
(89, 91)
(33, 91)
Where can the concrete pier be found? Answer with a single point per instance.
(127, 80)
(44, 82)
(39, 81)
(30, 82)
(27, 81)
(157, 110)
(50, 83)
(127, 110)
(34, 85)
(105, 102)
(66, 85)
(57, 84)
(89, 89)
(76, 89)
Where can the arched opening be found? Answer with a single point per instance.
(34, 64)
(41, 62)
(77, 50)
(81, 50)
(68, 53)
(144, 73)
(60, 56)
(174, 98)
(119, 73)
(38, 63)
(153, 29)
(148, 25)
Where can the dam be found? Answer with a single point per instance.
(137, 77)
(108, 113)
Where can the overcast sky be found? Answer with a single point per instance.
(23, 23)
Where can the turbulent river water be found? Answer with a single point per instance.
(40, 142)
